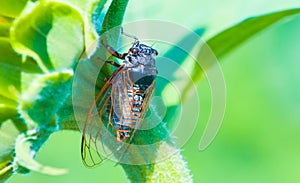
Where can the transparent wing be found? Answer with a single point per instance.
(98, 136)
(121, 102)
(93, 128)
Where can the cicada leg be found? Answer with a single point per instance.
(113, 52)
(113, 63)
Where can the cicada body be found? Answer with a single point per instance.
(122, 102)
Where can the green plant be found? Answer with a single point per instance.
(38, 56)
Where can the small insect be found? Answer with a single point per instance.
(121, 104)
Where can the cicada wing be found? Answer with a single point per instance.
(99, 134)
(121, 103)
(92, 145)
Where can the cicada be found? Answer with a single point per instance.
(121, 104)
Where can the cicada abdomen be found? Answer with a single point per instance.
(123, 101)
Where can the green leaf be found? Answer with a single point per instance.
(45, 97)
(113, 18)
(10, 70)
(52, 33)
(12, 8)
(114, 15)
(86, 8)
(5, 24)
(229, 39)
(7, 109)
(8, 134)
(98, 16)
(65, 116)
(24, 157)
(68, 24)
(30, 66)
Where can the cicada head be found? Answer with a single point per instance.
(141, 54)
(138, 48)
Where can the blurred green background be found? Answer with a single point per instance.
(259, 140)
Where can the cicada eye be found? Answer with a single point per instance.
(155, 52)
(134, 50)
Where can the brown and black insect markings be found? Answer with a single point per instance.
(130, 101)
(123, 101)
